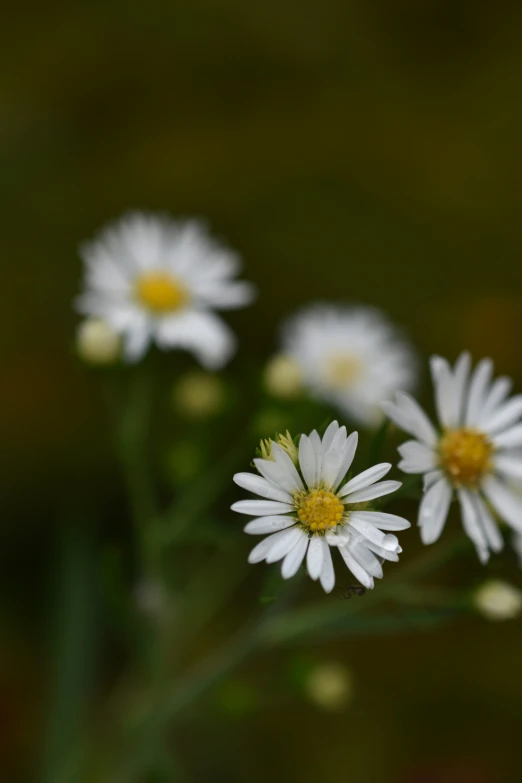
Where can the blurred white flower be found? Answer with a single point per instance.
(97, 342)
(352, 357)
(154, 279)
(199, 394)
(308, 509)
(329, 686)
(283, 377)
(498, 600)
(475, 455)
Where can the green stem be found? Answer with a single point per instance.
(191, 685)
(320, 617)
(377, 443)
(131, 422)
(194, 502)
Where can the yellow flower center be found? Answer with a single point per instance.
(465, 455)
(160, 292)
(319, 509)
(342, 369)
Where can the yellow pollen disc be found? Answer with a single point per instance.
(319, 509)
(342, 369)
(465, 455)
(160, 292)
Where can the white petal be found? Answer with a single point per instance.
(348, 454)
(493, 536)
(332, 459)
(366, 478)
(478, 391)
(273, 473)
(339, 536)
(472, 526)
(382, 520)
(408, 415)
(314, 558)
(339, 439)
(398, 416)
(327, 576)
(286, 466)
(504, 416)
(261, 508)
(497, 394)
(316, 442)
(443, 385)
(431, 478)
(307, 461)
(294, 558)
(227, 296)
(260, 486)
(373, 534)
(460, 384)
(366, 558)
(416, 457)
(317, 446)
(509, 439)
(375, 491)
(329, 435)
(356, 568)
(288, 539)
(385, 554)
(266, 525)
(450, 388)
(433, 511)
(136, 341)
(509, 465)
(260, 551)
(505, 502)
(203, 333)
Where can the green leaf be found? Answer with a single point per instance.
(72, 654)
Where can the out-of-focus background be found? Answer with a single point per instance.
(348, 149)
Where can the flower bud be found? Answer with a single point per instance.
(199, 394)
(285, 441)
(329, 686)
(283, 377)
(97, 342)
(497, 600)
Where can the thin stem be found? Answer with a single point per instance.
(191, 685)
(377, 443)
(194, 502)
(321, 617)
(131, 423)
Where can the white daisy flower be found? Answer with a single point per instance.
(351, 357)
(307, 508)
(474, 455)
(154, 279)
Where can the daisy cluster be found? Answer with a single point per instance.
(153, 280)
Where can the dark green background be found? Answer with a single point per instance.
(368, 151)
